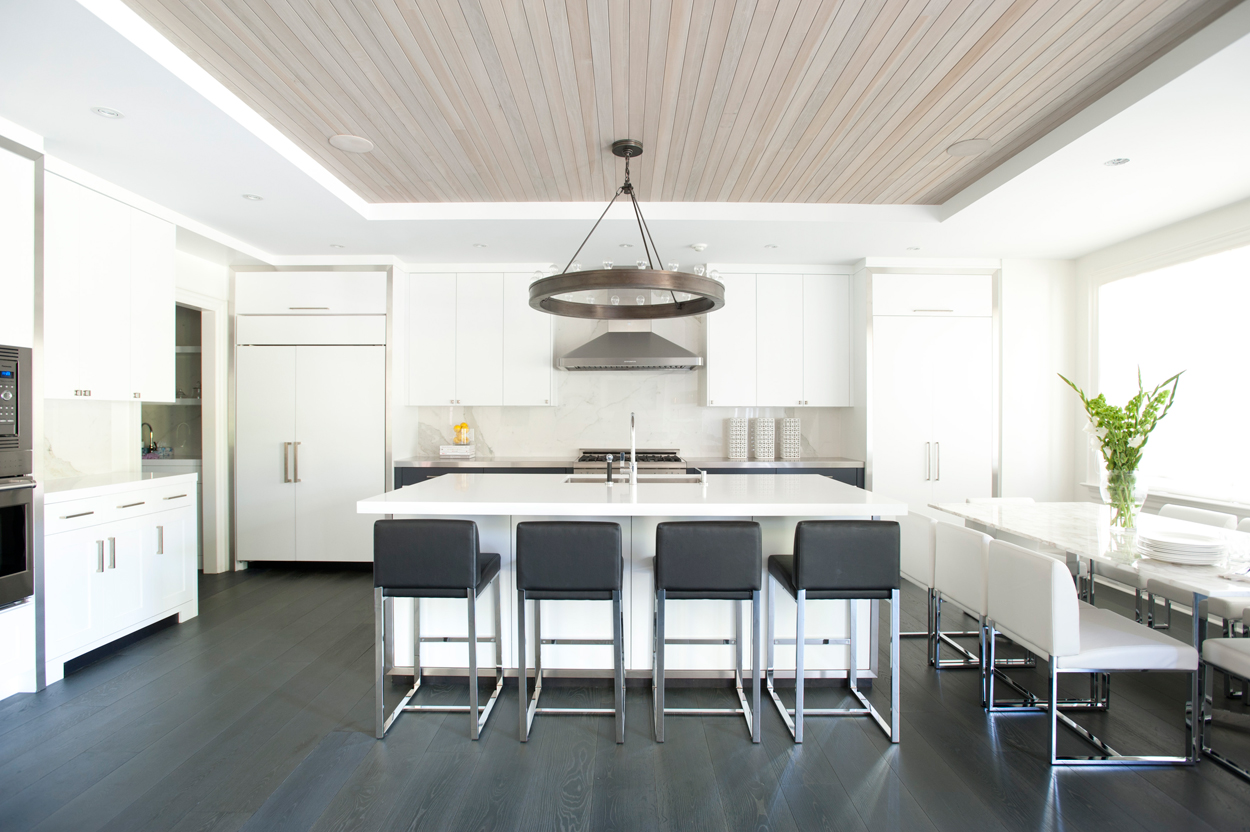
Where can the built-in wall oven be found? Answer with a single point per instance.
(17, 487)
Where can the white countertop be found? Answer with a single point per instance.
(75, 488)
(1084, 529)
(725, 495)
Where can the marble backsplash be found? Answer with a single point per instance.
(593, 410)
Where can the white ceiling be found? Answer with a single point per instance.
(1186, 142)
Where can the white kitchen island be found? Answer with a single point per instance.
(497, 502)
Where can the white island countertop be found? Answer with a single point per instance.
(724, 495)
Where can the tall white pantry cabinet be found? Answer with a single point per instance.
(933, 410)
(310, 416)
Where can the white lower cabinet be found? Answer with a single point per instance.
(116, 562)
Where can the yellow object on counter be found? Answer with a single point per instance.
(462, 435)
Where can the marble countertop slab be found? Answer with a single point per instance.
(1084, 529)
(568, 462)
(76, 488)
(806, 462)
(724, 495)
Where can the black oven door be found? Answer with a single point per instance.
(17, 534)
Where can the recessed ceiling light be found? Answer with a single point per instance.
(969, 147)
(913, 248)
(352, 144)
(627, 245)
(698, 246)
(479, 245)
(253, 197)
(108, 112)
(336, 245)
(1115, 163)
(769, 245)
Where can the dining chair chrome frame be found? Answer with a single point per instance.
(1054, 707)
(793, 717)
(477, 714)
(750, 712)
(1206, 669)
(529, 705)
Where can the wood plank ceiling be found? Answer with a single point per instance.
(849, 101)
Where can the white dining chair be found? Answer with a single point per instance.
(959, 578)
(1173, 594)
(916, 563)
(1031, 600)
(1230, 656)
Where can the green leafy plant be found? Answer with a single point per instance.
(1122, 434)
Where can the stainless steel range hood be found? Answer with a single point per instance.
(630, 351)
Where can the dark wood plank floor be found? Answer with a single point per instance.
(258, 715)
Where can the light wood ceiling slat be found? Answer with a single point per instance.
(734, 100)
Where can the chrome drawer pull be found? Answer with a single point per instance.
(79, 514)
(112, 553)
(160, 540)
(132, 505)
(175, 497)
(99, 555)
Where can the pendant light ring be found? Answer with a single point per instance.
(707, 294)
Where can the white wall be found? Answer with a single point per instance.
(17, 250)
(203, 277)
(1040, 412)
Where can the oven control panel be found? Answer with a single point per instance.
(8, 398)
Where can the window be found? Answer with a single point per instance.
(1193, 317)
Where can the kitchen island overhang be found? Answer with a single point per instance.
(497, 502)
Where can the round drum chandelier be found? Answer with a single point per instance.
(631, 293)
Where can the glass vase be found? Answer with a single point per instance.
(1125, 492)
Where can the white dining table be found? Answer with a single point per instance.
(1083, 530)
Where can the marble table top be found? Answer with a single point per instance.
(1084, 530)
(724, 495)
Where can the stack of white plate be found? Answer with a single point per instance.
(1185, 548)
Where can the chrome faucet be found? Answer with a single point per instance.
(609, 469)
(633, 453)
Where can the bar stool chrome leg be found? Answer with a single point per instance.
(478, 715)
(529, 707)
(750, 711)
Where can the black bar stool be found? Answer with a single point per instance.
(851, 560)
(568, 561)
(716, 560)
(432, 559)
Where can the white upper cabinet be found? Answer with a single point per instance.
(17, 242)
(479, 339)
(527, 334)
(956, 295)
(731, 345)
(108, 297)
(826, 340)
(781, 340)
(152, 244)
(431, 329)
(474, 340)
(310, 293)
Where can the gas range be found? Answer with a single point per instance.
(650, 460)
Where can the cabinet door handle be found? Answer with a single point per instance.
(293, 308)
(112, 553)
(160, 540)
(79, 514)
(132, 505)
(286, 461)
(99, 556)
(175, 497)
(938, 468)
(927, 460)
(296, 444)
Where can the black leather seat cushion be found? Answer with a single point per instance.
(430, 558)
(569, 560)
(708, 559)
(841, 559)
(488, 568)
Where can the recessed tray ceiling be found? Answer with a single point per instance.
(768, 101)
